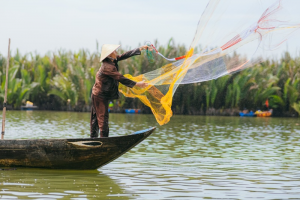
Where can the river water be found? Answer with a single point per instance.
(192, 157)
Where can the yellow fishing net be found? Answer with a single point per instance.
(159, 94)
(251, 33)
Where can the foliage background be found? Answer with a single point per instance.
(63, 80)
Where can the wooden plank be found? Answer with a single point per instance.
(5, 96)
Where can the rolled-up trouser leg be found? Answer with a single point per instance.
(101, 108)
(94, 121)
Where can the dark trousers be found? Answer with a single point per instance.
(99, 117)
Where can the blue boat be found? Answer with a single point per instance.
(132, 111)
(249, 114)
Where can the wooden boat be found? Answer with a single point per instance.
(86, 153)
(29, 107)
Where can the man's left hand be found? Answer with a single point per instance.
(146, 47)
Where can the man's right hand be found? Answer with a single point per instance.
(141, 84)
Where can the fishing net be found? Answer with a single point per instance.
(233, 35)
(150, 52)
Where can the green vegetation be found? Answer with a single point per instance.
(63, 81)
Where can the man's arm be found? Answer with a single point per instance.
(133, 52)
(111, 70)
(128, 54)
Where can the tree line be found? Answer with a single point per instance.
(63, 80)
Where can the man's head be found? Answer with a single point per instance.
(109, 50)
(113, 54)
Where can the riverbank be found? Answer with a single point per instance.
(146, 110)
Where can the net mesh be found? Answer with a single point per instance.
(228, 46)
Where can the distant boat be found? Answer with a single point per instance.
(250, 114)
(85, 153)
(29, 106)
(264, 113)
(132, 111)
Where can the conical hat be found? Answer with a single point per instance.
(108, 49)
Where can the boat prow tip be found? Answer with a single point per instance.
(149, 130)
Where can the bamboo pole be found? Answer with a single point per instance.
(5, 96)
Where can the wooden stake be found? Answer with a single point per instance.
(5, 96)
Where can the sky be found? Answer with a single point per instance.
(50, 25)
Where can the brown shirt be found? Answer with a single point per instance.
(108, 77)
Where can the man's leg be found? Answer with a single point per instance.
(105, 128)
(101, 107)
(94, 122)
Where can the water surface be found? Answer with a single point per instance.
(192, 157)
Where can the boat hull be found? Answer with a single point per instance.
(264, 114)
(86, 153)
(247, 114)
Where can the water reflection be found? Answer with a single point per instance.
(191, 157)
(58, 184)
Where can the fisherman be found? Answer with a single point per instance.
(106, 86)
